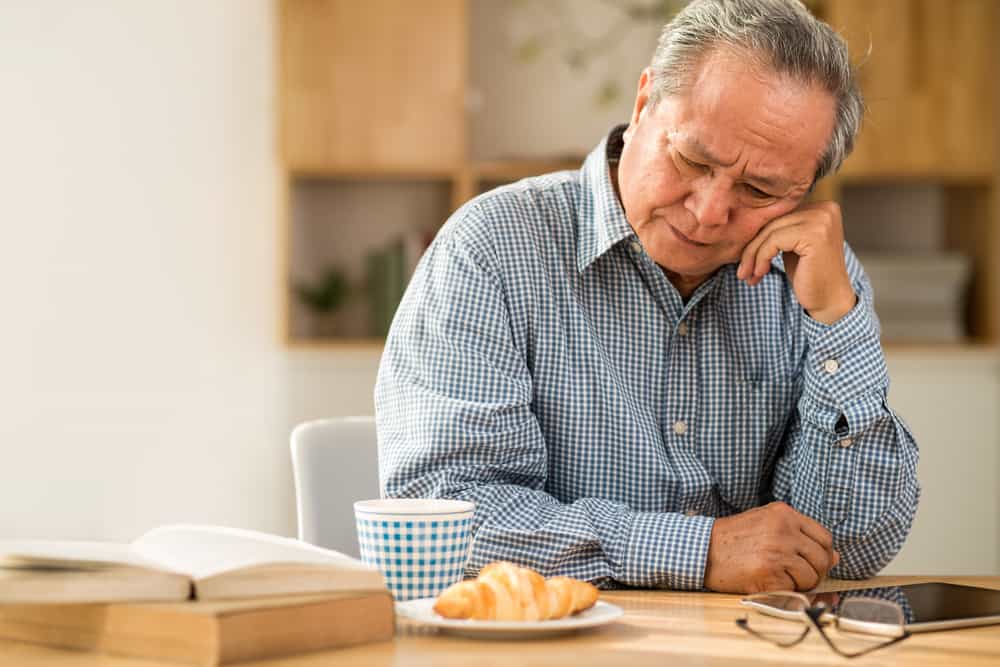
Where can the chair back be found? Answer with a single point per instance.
(335, 462)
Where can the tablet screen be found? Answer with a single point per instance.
(927, 603)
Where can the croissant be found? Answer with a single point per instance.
(506, 592)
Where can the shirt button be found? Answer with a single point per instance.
(636, 246)
(845, 442)
(682, 329)
(831, 366)
(680, 428)
(690, 512)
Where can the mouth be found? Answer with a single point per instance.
(684, 239)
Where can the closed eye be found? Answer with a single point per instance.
(757, 193)
(691, 163)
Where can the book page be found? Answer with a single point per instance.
(206, 551)
(93, 585)
(69, 555)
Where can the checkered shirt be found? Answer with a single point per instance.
(542, 366)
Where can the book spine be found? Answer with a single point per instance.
(199, 634)
(311, 627)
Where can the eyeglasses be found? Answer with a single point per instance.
(862, 624)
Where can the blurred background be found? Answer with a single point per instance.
(211, 209)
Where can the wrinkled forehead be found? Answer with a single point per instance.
(741, 111)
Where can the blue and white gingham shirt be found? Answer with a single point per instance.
(542, 366)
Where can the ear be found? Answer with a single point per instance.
(641, 102)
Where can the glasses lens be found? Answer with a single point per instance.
(866, 610)
(864, 624)
(778, 618)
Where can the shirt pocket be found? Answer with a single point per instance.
(762, 413)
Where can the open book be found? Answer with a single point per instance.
(176, 563)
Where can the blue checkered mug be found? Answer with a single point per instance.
(420, 545)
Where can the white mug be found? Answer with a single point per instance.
(420, 545)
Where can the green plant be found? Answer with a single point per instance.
(325, 295)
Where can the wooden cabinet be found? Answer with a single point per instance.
(373, 86)
(929, 82)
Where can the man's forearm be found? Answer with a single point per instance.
(869, 488)
(594, 539)
(851, 463)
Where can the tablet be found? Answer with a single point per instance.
(926, 607)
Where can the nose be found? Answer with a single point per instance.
(709, 201)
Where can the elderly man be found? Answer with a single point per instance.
(664, 369)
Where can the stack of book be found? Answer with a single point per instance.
(920, 297)
(201, 595)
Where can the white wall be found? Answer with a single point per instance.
(950, 402)
(141, 378)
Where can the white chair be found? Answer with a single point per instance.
(335, 462)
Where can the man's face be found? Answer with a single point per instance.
(704, 170)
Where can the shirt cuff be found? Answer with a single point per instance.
(667, 550)
(843, 396)
(844, 363)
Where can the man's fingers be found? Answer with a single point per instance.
(787, 238)
(819, 536)
(781, 580)
(802, 573)
(768, 548)
(748, 258)
(819, 558)
(816, 532)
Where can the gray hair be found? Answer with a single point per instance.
(778, 34)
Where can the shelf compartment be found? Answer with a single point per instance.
(338, 223)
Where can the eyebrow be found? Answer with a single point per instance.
(702, 152)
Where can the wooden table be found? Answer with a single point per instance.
(659, 628)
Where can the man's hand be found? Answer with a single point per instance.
(768, 548)
(812, 240)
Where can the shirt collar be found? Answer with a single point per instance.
(602, 223)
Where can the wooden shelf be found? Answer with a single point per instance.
(516, 169)
(335, 344)
(372, 172)
(950, 179)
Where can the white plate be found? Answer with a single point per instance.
(422, 611)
